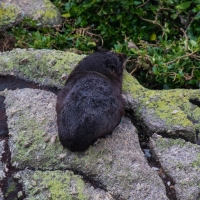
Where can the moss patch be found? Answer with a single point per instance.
(171, 108)
(46, 67)
(31, 142)
(53, 185)
(47, 14)
(51, 11)
(181, 161)
(164, 144)
(164, 111)
(9, 14)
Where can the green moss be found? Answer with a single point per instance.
(90, 159)
(79, 187)
(54, 185)
(165, 112)
(46, 15)
(196, 163)
(8, 13)
(164, 144)
(132, 86)
(31, 141)
(49, 13)
(165, 107)
(11, 187)
(169, 107)
(42, 66)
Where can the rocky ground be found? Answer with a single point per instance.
(152, 154)
(17, 176)
(133, 163)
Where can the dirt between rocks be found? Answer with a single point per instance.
(7, 42)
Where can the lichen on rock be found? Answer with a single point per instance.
(58, 185)
(166, 112)
(48, 14)
(181, 161)
(116, 163)
(10, 15)
(43, 11)
(46, 67)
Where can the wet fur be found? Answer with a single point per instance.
(90, 105)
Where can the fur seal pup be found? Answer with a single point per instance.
(91, 105)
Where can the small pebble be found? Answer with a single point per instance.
(155, 168)
(19, 194)
(168, 183)
(147, 153)
(163, 176)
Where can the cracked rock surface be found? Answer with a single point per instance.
(2, 166)
(117, 163)
(58, 185)
(180, 160)
(114, 167)
(171, 113)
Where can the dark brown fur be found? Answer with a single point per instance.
(91, 105)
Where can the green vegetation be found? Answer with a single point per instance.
(161, 38)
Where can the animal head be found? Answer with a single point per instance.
(105, 63)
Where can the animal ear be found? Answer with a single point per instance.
(100, 49)
(122, 57)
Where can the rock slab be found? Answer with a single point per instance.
(115, 164)
(10, 15)
(45, 185)
(181, 161)
(43, 11)
(171, 113)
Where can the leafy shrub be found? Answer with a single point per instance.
(161, 38)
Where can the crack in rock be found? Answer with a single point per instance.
(116, 162)
(180, 160)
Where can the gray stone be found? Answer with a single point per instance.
(181, 161)
(10, 15)
(45, 185)
(1, 195)
(116, 163)
(165, 112)
(46, 67)
(2, 166)
(43, 11)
